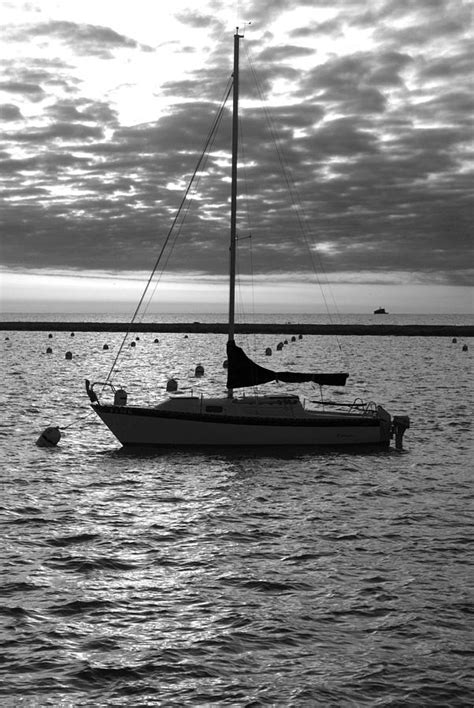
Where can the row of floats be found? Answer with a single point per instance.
(268, 350)
(105, 347)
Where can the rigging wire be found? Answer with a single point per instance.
(243, 164)
(198, 175)
(201, 161)
(296, 203)
(249, 222)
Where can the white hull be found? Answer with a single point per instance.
(138, 426)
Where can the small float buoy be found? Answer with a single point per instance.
(465, 348)
(157, 341)
(50, 336)
(185, 336)
(49, 437)
(72, 334)
(225, 365)
(279, 346)
(454, 340)
(133, 344)
(268, 351)
(137, 338)
(106, 346)
(199, 370)
(293, 339)
(120, 397)
(7, 339)
(286, 341)
(171, 385)
(49, 350)
(68, 355)
(300, 336)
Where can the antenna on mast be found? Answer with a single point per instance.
(246, 24)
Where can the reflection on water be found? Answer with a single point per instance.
(234, 576)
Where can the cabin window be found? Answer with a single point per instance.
(213, 409)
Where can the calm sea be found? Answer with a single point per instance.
(235, 578)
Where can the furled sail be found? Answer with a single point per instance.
(243, 372)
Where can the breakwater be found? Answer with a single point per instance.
(391, 330)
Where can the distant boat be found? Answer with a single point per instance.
(255, 419)
(380, 311)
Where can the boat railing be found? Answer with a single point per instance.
(120, 395)
(358, 405)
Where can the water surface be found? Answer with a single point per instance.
(235, 578)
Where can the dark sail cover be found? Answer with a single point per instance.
(243, 372)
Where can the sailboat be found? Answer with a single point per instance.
(249, 420)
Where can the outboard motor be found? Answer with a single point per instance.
(399, 425)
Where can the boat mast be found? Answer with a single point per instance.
(233, 193)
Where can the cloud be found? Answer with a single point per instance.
(80, 110)
(86, 39)
(33, 91)
(275, 55)
(373, 128)
(9, 112)
(196, 19)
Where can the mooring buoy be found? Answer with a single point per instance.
(49, 437)
(268, 351)
(50, 336)
(106, 346)
(157, 341)
(225, 365)
(465, 348)
(68, 355)
(454, 340)
(279, 346)
(133, 344)
(199, 370)
(171, 385)
(49, 350)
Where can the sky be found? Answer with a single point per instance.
(105, 106)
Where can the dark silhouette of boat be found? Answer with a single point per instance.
(253, 419)
(380, 311)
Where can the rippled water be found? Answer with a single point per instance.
(235, 578)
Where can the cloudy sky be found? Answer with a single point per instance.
(105, 106)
